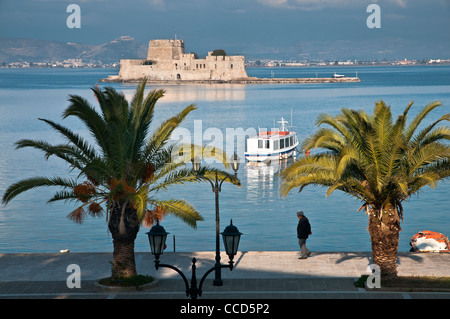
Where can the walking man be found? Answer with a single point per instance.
(303, 231)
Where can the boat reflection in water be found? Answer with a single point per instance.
(262, 178)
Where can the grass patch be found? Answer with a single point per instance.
(135, 281)
(409, 282)
(361, 281)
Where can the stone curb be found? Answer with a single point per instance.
(150, 285)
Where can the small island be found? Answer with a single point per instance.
(167, 62)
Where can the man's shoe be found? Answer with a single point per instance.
(302, 257)
(309, 254)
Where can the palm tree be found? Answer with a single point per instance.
(124, 169)
(380, 162)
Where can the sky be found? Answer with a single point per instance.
(297, 29)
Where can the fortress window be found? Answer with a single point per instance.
(232, 66)
(204, 66)
(147, 62)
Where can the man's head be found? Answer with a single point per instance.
(300, 214)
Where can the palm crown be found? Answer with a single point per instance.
(372, 157)
(126, 165)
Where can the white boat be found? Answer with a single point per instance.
(429, 241)
(272, 145)
(337, 76)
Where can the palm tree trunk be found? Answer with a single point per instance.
(124, 226)
(384, 228)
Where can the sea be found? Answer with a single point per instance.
(267, 220)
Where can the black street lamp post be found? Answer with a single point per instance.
(216, 188)
(157, 238)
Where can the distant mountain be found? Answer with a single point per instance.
(32, 50)
(124, 47)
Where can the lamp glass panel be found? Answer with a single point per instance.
(157, 243)
(231, 244)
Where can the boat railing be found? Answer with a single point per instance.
(271, 133)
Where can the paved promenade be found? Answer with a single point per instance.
(257, 275)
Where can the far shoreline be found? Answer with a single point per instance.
(249, 80)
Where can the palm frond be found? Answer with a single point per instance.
(68, 153)
(74, 138)
(30, 183)
(427, 155)
(429, 134)
(80, 108)
(63, 195)
(210, 172)
(175, 177)
(180, 209)
(160, 137)
(139, 202)
(419, 118)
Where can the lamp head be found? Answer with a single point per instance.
(157, 238)
(235, 162)
(231, 237)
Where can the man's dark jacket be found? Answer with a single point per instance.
(303, 228)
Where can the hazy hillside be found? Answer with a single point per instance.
(32, 50)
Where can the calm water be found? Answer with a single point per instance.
(268, 221)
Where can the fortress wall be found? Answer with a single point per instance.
(227, 67)
(133, 69)
(200, 69)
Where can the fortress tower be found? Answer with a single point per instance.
(165, 50)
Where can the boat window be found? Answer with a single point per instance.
(286, 141)
(267, 143)
(292, 140)
(260, 144)
(282, 143)
(275, 145)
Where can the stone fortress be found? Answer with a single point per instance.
(167, 62)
